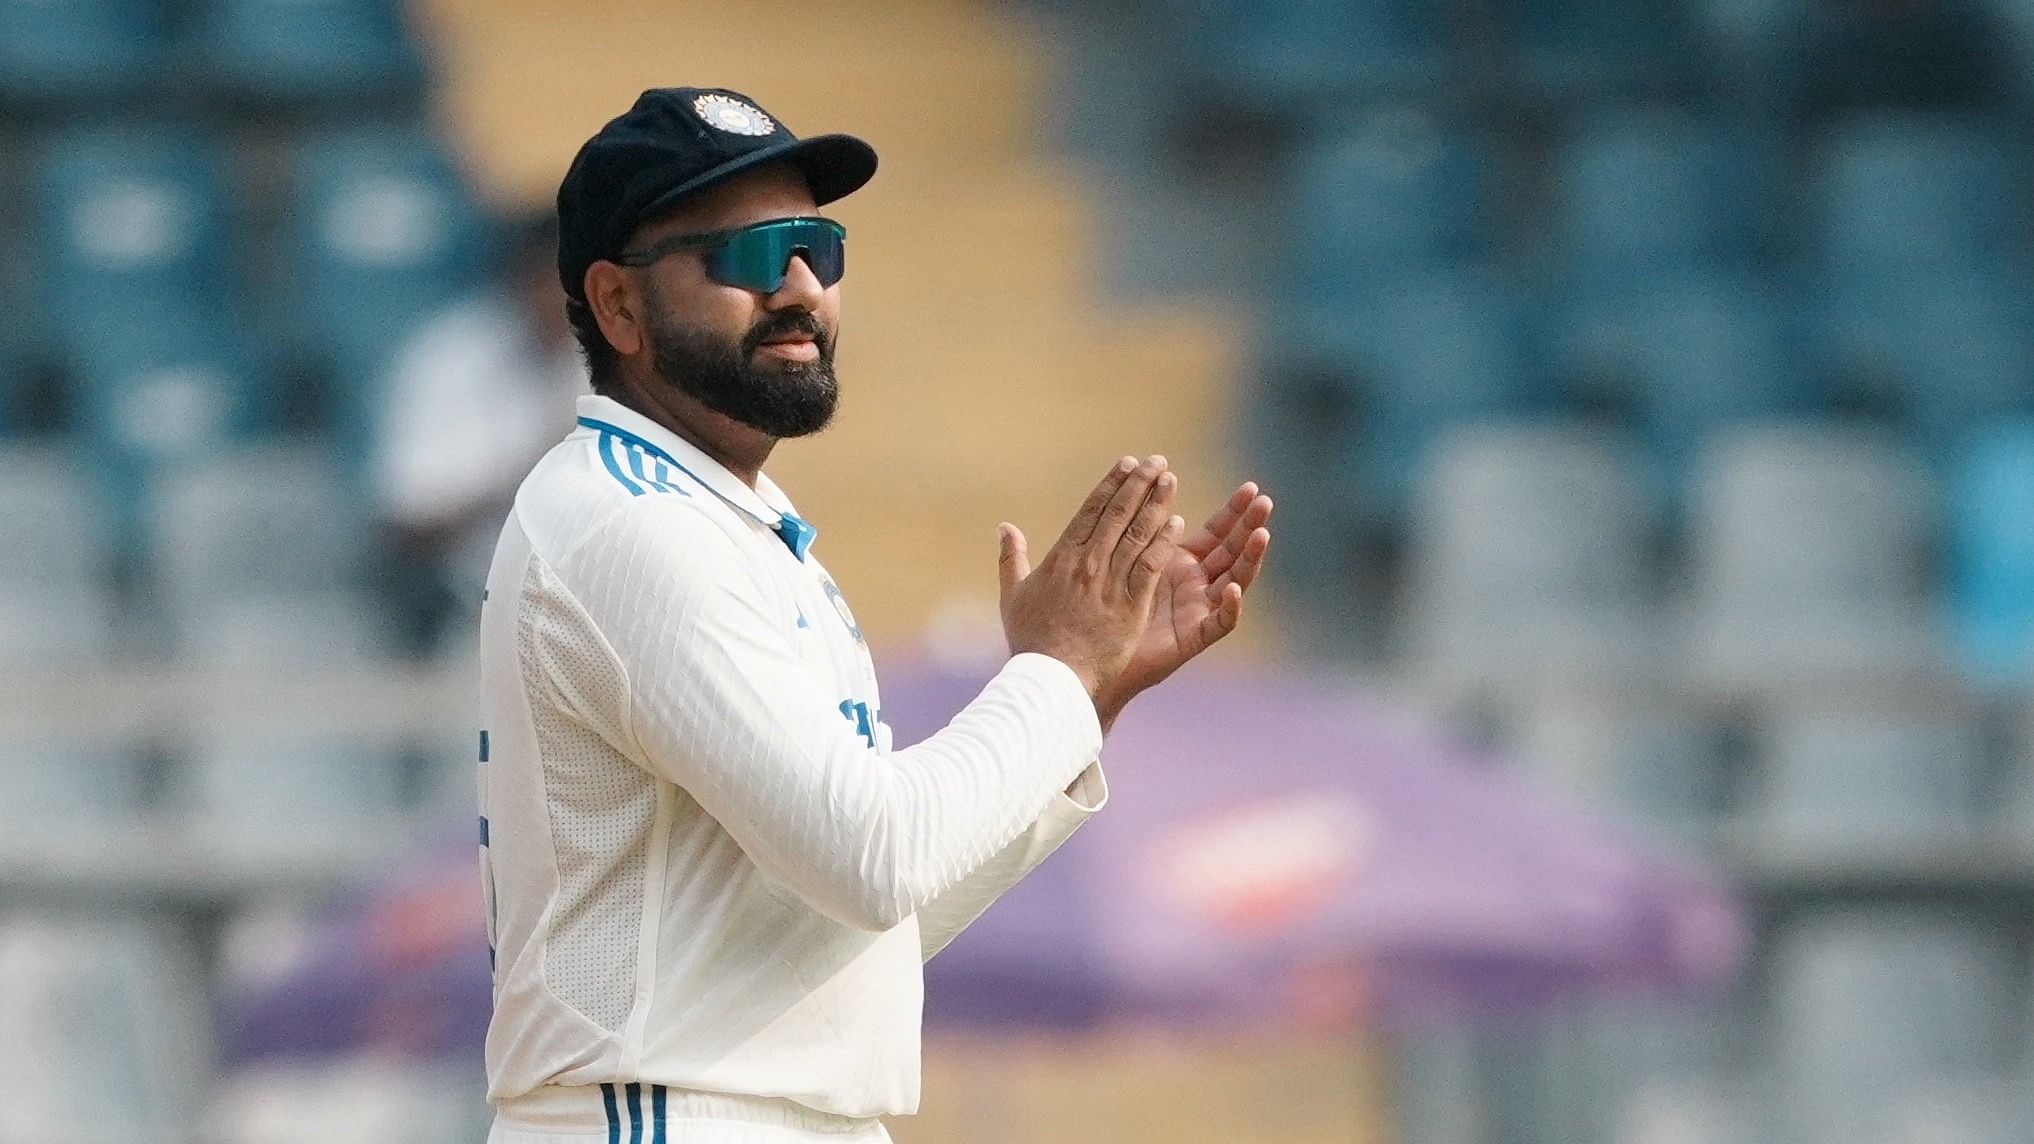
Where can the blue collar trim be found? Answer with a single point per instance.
(796, 533)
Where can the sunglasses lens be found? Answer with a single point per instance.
(755, 258)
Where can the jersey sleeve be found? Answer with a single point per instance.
(720, 704)
(944, 917)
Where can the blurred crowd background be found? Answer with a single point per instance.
(1647, 389)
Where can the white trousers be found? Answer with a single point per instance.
(652, 1114)
(697, 1132)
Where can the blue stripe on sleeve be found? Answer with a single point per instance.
(657, 1114)
(613, 1117)
(483, 746)
(635, 1113)
(607, 457)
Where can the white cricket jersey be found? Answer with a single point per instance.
(706, 870)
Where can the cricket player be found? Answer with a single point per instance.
(711, 881)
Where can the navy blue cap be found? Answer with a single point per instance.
(676, 142)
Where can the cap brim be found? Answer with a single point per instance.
(833, 166)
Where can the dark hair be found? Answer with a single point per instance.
(603, 364)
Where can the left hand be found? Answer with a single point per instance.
(1200, 595)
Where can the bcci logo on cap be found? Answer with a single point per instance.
(732, 115)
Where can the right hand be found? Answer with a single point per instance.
(1088, 600)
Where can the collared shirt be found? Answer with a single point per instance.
(707, 870)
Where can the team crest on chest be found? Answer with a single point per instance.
(840, 607)
(732, 115)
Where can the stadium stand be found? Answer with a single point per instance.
(260, 789)
(1681, 355)
(1870, 788)
(262, 520)
(1272, 59)
(307, 52)
(1644, 1072)
(1684, 356)
(1389, 191)
(69, 787)
(1659, 193)
(1913, 191)
(1593, 49)
(55, 52)
(105, 997)
(1809, 551)
(384, 232)
(135, 231)
(1774, 259)
(1412, 356)
(1870, 1008)
(1991, 581)
(1529, 554)
(1655, 762)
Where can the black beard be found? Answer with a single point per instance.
(780, 398)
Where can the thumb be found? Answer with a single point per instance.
(1014, 563)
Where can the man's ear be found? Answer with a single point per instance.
(612, 296)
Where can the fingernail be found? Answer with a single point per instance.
(1167, 480)
(1157, 460)
(1177, 523)
(1126, 464)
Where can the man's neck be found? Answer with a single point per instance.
(738, 448)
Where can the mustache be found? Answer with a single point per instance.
(783, 322)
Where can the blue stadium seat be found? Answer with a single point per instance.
(14, 387)
(1581, 48)
(133, 229)
(1418, 354)
(72, 627)
(92, 996)
(54, 534)
(1868, 1006)
(1655, 763)
(219, 520)
(309, 51)
(281, 632)
(258, 788)
(1392, 191)
(1948, 351)
(1806, 564)
(1651, 192)
(1643, 1071)
(63, 50)
(70, 786)
(2016, 22)
(385, 234)
(1688, 354)
(1284, 56)
(1758, 48)
(1991, 546)
(1526, 554)
(1907, 192)
(168, 394)
(1869, 787)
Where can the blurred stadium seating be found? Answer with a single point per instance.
(1680, 395)
(1681, 356)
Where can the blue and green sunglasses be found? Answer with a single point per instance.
(753, 257)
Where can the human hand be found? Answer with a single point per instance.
(1089, 599)
(1200, 597)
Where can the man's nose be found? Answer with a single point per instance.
(800, 287)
